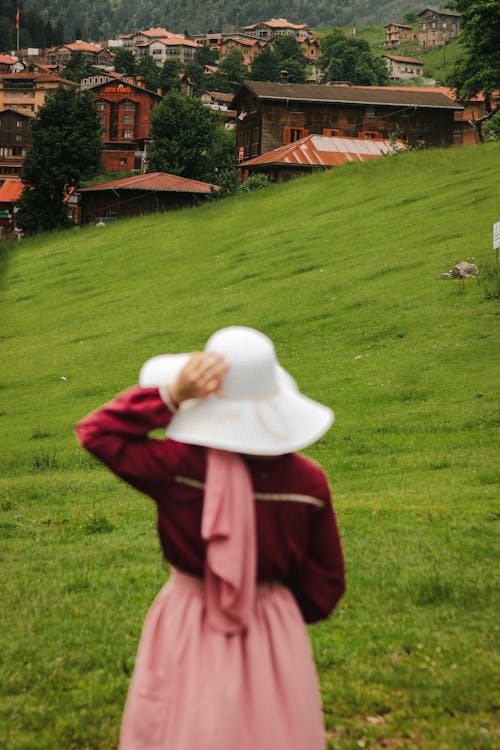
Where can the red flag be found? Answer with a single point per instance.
(17, 19)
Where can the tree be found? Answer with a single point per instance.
(66, 150)
(186, 139)
(266, 66)
(78, 67)
(230, 73)
(206, 55)
(345, 59)
(125, 61)
(169, 76)
(292, 58)
(478, 68)
(150, 72)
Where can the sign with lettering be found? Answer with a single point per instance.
(117, 89)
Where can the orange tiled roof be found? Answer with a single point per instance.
(81, 46)
(10, 190)
(324, 151)
(155, 181)
(155, 33)
(278, 23)
(8, 60)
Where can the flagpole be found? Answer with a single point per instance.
(17, 27)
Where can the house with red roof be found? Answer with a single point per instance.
(172, 47)
(398, 33)
(266, 30)
(95, 54)
(315, 153)
(270, 115)
(142, 194)
(10, 192)
(10, 64)
(125, 110)
(248, 46)
(402, 68)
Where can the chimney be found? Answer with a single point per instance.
(284, 76)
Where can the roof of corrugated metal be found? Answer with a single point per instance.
(10, 189)
(398, 58)
(325, 151)
(156, 182)
(310, 92)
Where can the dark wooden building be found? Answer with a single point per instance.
(272, 114)
(142, 194)
(15, 139)
(125, 110)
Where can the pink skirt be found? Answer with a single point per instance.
(197, 689)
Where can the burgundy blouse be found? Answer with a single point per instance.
(298, 542)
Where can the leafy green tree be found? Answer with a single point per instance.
(478, 68)
(292, 58)
(66, 150)
(78, 67)
(197, 77)
(125, 62)
(206, 56)
(150, 72)
(229, 75)
(169, 76)
(186, 139)
(266, 65)
(349, 59)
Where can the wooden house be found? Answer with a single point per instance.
(142, 194)
(437, 27)
(316, 153)
(15, 139)
(125, 111)
(398, 33)
(266, 30)
(95, 54)
(401, 68)
(272, 114)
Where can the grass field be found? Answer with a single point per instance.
(343, 271)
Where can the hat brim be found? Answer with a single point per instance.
(283, 422)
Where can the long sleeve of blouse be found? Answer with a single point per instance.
(298, 541)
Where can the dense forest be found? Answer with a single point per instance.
(104, 19)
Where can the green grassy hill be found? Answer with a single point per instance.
(343, 271)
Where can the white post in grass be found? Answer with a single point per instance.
(496, 238)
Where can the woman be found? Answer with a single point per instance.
(224, 662)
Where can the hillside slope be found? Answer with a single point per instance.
(105, 18)
(338, 265)
(343, 270)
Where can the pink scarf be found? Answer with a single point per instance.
(228, 527)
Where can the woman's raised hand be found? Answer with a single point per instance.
(201, 375)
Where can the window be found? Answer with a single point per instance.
(101, 105)
(128, 105)
(19, 138)
(127, 133)
(123, 161)
(128, 119)
(19, 123)
(294, 134)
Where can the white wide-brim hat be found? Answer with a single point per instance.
(258, 410)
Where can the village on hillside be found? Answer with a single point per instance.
(282, 128)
